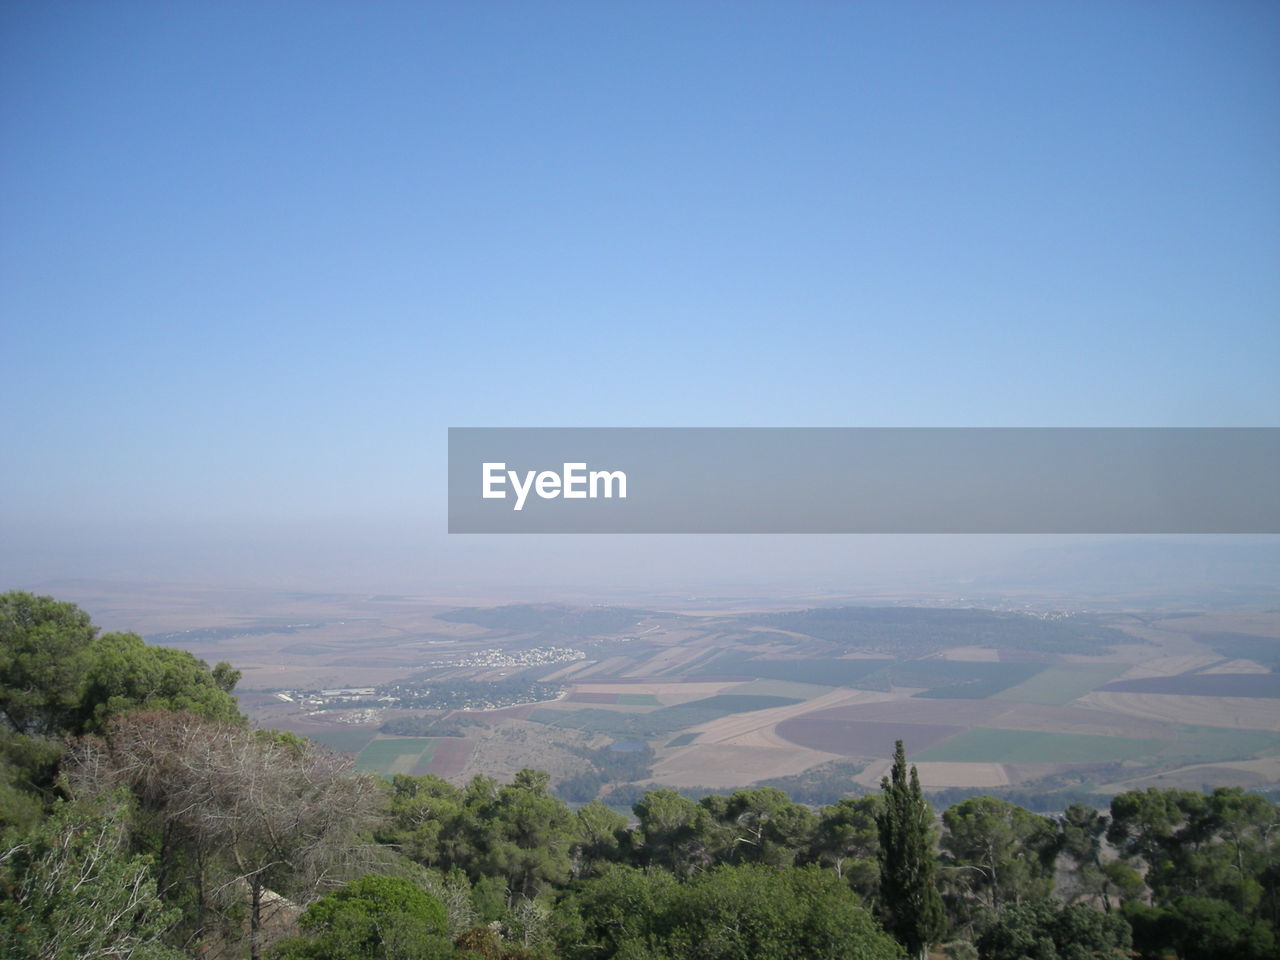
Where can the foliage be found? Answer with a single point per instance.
(44, 655)
(224, 809)
(125, 674)
(760, 825)
(57, 676)
(913, 910)
(69, 890)
(602, 838)
(1047, 930)
(998, 852)
(826, 783)
(723, 914)
(371, 918)
(28, 770)
(606, 765)
(673, 832)
(848, 839)
(519, 832)
(1222, 845)
(1199, 928)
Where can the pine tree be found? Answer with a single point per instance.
(913, 911)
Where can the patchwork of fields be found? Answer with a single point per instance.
(737, 706)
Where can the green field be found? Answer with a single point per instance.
(347, 741)
(683, 740)
(961, 679)
(726, 703)
(618, 723)
(1209, 744)
(399, 755)
(988, 745)
(1060, 685)
(1193, 745)
(638, 700)
(828, 671)
(781, 688)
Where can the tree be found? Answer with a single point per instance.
(1199, 928)
(674, 832)
(69, 890)
(769, 914)
(58, 677)
(226, 809)
(124, 674)
(760, 825)
(848, 838)
(525, 835)
(44, 655)
(913, 910)
(371, 918)
(419, 818)
(1046, 930)
(613, 914)
(1220, 846)
(601, 832)
(1000, 849)
(727, 913)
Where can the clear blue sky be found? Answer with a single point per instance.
(255, 258)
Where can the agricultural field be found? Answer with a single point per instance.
(1204, 684)
(734, 692)
(1238, 713)
(1188, 745)
(615, 698)
(819, 670)
(345, 741)
(1058, 686)
(399, 755)
(992, 745)
(964, 681)
(861, 738)
(658, 722)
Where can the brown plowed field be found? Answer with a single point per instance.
(450, 757)
(968, 713)
(861, 738)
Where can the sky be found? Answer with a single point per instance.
(256, 258)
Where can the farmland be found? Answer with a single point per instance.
(819, 670)
(990, 745)
(722, 698)
(1188, 745)
(401, 755)
(1057, 686)
(661, 721)
(1204, 685)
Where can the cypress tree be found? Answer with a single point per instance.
(912, 908)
